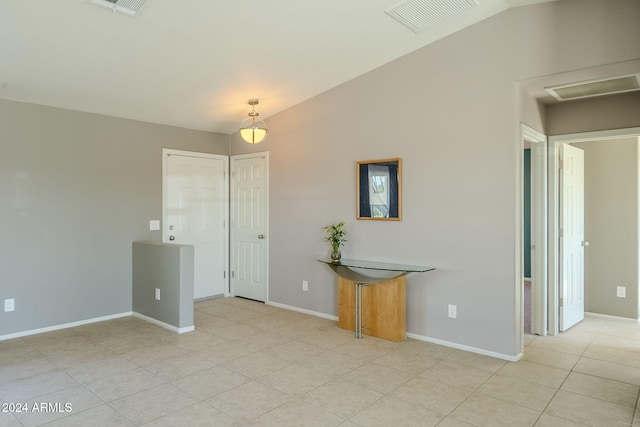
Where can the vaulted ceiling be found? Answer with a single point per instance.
(195, 63)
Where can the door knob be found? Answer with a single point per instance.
(172, 237)
(585, 243)
(260, 236)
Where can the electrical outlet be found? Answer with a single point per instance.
(157, 294)
(305, 285)
(453, 311)
(621, 292)
(9, 305)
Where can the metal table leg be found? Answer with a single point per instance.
(358, 328)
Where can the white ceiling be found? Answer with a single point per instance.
(195, 63)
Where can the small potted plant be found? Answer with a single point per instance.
(335, 237)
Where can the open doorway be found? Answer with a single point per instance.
(555, 285)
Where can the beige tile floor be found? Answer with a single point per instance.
(249, 364)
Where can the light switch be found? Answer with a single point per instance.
(154, 225)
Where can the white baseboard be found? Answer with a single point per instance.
(286, 307)
(63, 326)
(608, 317)
(302, 310)
(163, 324)
(410, 335)
(507, 357)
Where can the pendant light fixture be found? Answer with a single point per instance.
(251, 130)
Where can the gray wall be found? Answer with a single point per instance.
(593, 114)
(450, 110)
(75, 190)
(611, 226)
(168, 268)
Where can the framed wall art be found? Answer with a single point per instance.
(379, 189)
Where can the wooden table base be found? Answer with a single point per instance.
(384, 308)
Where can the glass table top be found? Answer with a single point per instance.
(375, 265)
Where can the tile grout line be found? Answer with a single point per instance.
(474, 391)
(582, 356)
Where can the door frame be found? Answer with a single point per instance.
(539, 268)
(232, 207)
(554, 206)
(167, 152)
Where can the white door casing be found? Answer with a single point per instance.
(195, 206)
(249, 225)
(538, 145)
(572, 243)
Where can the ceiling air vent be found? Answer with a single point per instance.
(608, 86)
(418, 15)
(128, 7)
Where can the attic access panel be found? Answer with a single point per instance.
(591, 88)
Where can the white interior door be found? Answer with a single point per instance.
(195, 213)
(249, 225)
(572, 241)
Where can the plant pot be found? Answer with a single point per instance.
(335, 256)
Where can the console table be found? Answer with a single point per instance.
(384, 304)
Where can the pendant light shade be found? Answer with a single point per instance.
(251, 130)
